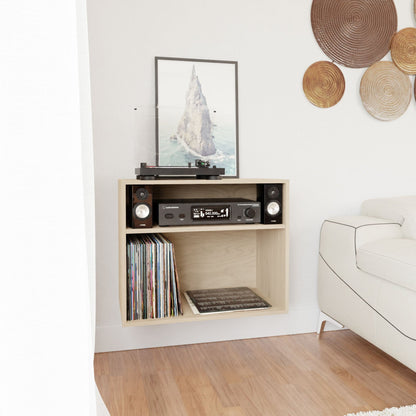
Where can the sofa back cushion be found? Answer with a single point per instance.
(398, 209)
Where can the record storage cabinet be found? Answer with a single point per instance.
(215, 256)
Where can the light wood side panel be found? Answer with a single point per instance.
(215, 260)
(122, 250)
(285, 217)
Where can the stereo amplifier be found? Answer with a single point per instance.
(208, 211)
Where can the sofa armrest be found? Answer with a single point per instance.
(397, 209)
(342, 236)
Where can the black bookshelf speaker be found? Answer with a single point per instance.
(139, 206)
(271, 197)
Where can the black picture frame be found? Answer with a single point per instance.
(197, 112)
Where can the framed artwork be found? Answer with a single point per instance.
(197, 113)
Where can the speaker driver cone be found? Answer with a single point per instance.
(273, 192)
(273, 208)
(141, 211)
(142, 193)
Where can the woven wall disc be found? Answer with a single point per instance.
(385, 91)
(403, 50)
(323, 84)
(354, 33)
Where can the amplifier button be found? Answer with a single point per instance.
(169, 216)
(182, 215)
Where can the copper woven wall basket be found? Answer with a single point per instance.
(354, 33)
(403, 50)
(323, 84)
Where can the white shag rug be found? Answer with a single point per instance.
(393, 411)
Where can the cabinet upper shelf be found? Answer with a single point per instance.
(199, 228)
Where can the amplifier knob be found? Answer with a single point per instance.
(250, 212)
(273, 208)
(141, 211)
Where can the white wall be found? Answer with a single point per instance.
(334, 158)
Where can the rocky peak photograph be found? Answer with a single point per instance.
(196, 113)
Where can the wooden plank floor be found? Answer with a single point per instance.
(296, 375)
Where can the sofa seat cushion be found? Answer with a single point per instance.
(390, 259)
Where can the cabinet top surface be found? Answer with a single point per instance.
(222, 181)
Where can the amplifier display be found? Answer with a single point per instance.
(208, 211)
(220, 212)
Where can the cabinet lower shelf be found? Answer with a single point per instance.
(189, 316)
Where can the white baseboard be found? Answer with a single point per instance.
(116, 338)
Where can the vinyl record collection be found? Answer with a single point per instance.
(152, 278)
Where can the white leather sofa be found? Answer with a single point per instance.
(367, 275)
